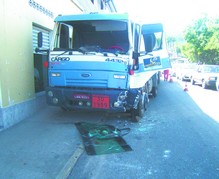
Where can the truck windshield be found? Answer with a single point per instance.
(98, 36)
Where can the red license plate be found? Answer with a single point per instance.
(100, 101)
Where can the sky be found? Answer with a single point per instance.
(176, 15)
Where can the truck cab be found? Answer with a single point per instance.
(105, 62)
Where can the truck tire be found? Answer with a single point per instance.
(154, 91)
(137, 114)
(155, 86)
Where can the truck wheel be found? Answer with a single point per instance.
(137, 114)
(155, 85)
(154, 91)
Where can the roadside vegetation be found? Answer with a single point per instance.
(200, 41)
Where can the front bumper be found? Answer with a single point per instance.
(114, 100)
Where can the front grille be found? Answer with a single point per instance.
(86, 83)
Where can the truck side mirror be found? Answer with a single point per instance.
(40, 39)
(149, 40)
(40, 43)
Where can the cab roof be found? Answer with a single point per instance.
(92, 16)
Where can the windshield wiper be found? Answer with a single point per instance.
(70, 51)
(92, 50)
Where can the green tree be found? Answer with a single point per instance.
(202, 41)
(174, 44)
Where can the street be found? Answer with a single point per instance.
(177, 138)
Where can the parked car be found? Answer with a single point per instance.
(185, 71)
(206, 76)
(217, 83)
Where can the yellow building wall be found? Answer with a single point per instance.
(16, 56)
(2, 39)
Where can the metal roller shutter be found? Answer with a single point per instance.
(46, 39)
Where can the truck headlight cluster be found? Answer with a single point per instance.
(50, 93)
(55, 100)
(82, 103)
(119, 76)
(55, 74)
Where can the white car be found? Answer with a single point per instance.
(206, 75)
(186, 71)
(217, 83)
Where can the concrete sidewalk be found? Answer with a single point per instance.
(40, 146)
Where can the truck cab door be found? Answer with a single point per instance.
(153, 54)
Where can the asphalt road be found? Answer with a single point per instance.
(177, 138)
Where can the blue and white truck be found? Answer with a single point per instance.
(105, 62)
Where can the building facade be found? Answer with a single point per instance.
(22, 76)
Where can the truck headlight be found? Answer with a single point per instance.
(55, 100)
(55, 74)
(119, 76)
(50, 93)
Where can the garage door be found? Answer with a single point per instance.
(46, 37)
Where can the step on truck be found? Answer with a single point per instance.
(104, 62)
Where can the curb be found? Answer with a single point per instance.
(66, 170)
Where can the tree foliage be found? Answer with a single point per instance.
(174, 44)
(202, 41)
